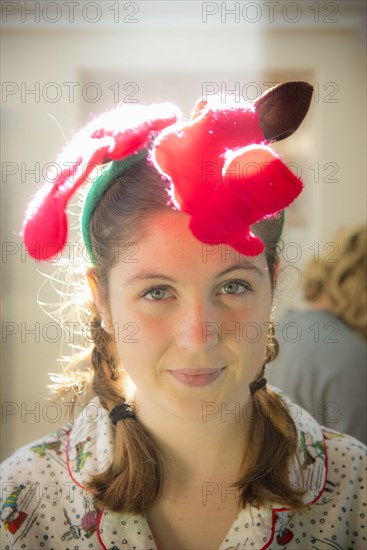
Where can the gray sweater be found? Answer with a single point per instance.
(322, 366)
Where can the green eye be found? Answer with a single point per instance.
(236, 287)
(156, 294)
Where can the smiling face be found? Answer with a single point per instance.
(190, 319)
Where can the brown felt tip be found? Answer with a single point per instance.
(282, 109)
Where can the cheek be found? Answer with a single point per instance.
(251, 329)
(134, 359)
(253, 317)
(139, 342)
(145, 332)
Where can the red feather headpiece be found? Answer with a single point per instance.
(221, 169)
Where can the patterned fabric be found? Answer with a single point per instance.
(45, 506)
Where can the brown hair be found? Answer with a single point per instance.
(341, 276)
(133, 481)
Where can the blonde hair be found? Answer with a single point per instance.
(341, 277)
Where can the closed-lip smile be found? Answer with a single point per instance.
(196, 377)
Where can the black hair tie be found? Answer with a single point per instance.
(257, 385)
(120, 412)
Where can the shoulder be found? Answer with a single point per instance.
(311, 342)
(347, 456)
(33, 479)
(42, 496)
(342, 502)
(35, 464)
(331, 467)
(31, 455)
(319, 324)
(339, 450)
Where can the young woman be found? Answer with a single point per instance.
(182, 445)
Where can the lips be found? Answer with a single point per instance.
(196, 377)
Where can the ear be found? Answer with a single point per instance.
(98, 297)
(282, 109)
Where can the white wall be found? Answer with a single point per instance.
(169, 53)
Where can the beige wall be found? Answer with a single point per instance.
(166, 61)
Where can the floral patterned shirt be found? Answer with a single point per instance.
(44, 504)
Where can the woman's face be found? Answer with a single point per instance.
(190, 319)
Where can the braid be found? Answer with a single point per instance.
(132, 482)
(103, 352)
(272, 346)
(273, 443)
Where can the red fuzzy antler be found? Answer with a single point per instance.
(112, 136)
(219, 177)
(222, 173)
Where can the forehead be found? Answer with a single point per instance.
(165, 241)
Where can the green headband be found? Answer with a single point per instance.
(110, 172)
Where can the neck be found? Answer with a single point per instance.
(198, 452)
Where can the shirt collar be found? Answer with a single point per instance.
(91, 445)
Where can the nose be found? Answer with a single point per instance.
(198, 328)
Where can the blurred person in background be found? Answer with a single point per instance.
(322, 361)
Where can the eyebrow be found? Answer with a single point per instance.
(244, 265)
